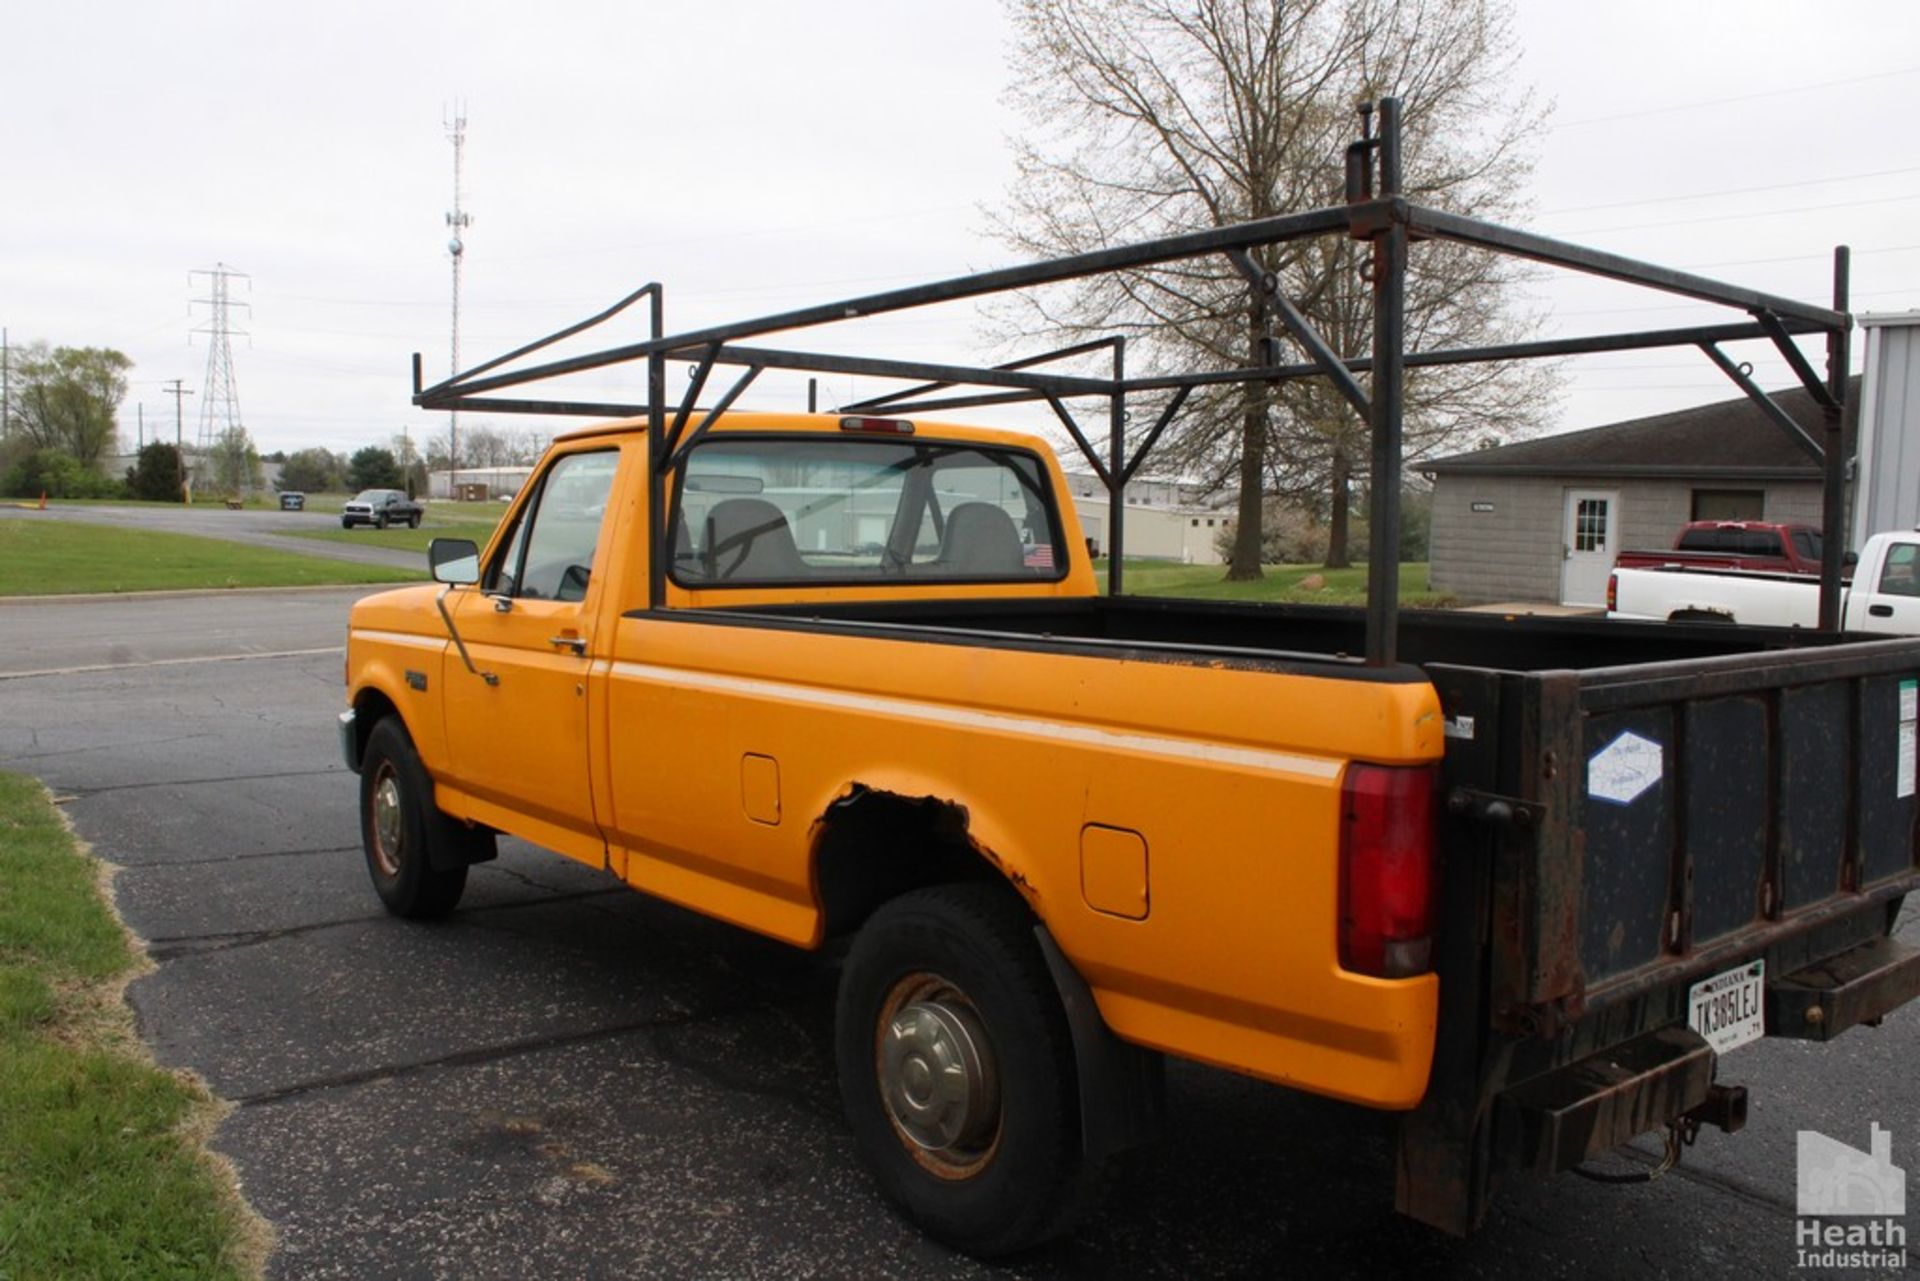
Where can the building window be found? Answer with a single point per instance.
(1590, 525)
(1729, 504)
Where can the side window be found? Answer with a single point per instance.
(549, 555)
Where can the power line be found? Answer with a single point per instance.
(1742, 217)
(1744, 97)
(1731, 191)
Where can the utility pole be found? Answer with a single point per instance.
(140, 416)
(6, 387)
(458, 220)
(177, 392)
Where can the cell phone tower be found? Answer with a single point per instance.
(220, 393)
(458, 220)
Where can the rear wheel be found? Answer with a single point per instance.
(400, 828)
(956, 1070)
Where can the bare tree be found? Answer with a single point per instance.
(1158, 116)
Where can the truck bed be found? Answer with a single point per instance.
(1287, 636)
(1632, 808)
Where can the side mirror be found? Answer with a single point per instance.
(455, 561)
(1851, 558)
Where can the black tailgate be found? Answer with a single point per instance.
(1687, 814)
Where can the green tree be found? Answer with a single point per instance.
(56, 474)
(1154, 117)
(66, 398)
(234, 461)
(157, 474)
(312, 471)
(374, 468)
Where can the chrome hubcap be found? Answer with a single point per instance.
(937, 1079)
(387, 826)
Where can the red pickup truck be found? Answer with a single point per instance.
(1753, 545)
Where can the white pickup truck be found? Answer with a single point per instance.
(1884, 595)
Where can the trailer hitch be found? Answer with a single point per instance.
(1725, 1108)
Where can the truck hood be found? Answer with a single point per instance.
(404, 609)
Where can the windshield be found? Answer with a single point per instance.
(832, 509)
(370, 495)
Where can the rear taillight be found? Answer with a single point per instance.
(1387, 874)
(1613, 593)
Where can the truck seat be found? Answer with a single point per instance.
(749, 538)
(980, 538)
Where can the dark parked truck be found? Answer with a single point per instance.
(1529, 884)
(381, 508)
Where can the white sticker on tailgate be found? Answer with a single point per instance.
(1624, 768)
(1730, 1009)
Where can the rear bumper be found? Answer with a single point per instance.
(1555, 1121)
(1861, 985)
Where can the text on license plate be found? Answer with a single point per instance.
(1730, 1009)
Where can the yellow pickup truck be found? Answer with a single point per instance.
(849, 679)
(882, 698)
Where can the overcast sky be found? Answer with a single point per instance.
(757, 156)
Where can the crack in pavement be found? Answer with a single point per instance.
(172, 946)
(102, 747)
(476, 1056)
(124, 865)
(652, 1029)
(85, 792)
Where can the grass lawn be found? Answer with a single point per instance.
(443, 520)
(1281, 583)
(101, 1169)
(40, 557)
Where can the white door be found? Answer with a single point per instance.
(1589, 545)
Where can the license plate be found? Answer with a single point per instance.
(1730, 1009)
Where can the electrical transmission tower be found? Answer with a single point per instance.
(220, 394)
(458, 220)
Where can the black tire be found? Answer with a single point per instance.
(413, 521)
(345, 523)
(400, 826)
(380, 521)
(1000, 1168)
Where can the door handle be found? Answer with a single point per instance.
(578, 644)
(1880, 611)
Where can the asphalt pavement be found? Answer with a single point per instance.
(569, 1079)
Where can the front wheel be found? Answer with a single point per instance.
(380, 521)
(413, 521)
(957, 1072)
(399, 825)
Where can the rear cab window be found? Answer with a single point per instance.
(750, 510)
